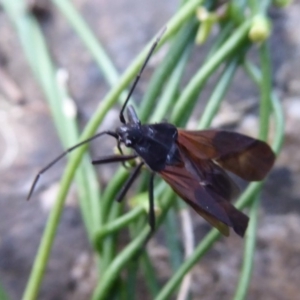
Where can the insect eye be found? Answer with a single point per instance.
(128, 143)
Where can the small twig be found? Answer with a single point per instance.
(188, 241)
(69, 105)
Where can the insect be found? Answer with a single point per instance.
(193, 163)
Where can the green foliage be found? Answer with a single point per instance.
(3, 294)
(103, 219)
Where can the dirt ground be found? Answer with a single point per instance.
(26, 131)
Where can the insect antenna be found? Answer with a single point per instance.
(137, 78)
(54, 161)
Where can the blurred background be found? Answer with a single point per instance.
(29, 140)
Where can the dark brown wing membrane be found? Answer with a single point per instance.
(200, 193)
(249, 158)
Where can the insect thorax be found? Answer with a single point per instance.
(154, 143)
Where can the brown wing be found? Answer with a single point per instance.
(249, 158)
(201, 193)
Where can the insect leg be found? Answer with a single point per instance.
(113, 158)
(121, 151)
(129, 182)
(119, 147)
(151, 214)
(151, 203)
(54, 161)
(122, 118)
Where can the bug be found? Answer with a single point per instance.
(193, 163)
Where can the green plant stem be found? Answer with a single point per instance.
(197, 82)
(150, 274)
(3, 294)
(182, 40)
(218, 94)
(118, 223)
(252, 71)
(250, 244)
(117, 264)
(111, 191)
(279, 119)
(115, 209)
(254, 6)
(225, 31)
(109, 242)
(130, 282)
(109, 277)
(265, 108)
(89, 39)
(168, 97)
(265, 87)
(143, 263)
(174, 282)
(172, 237)
(86, 178)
